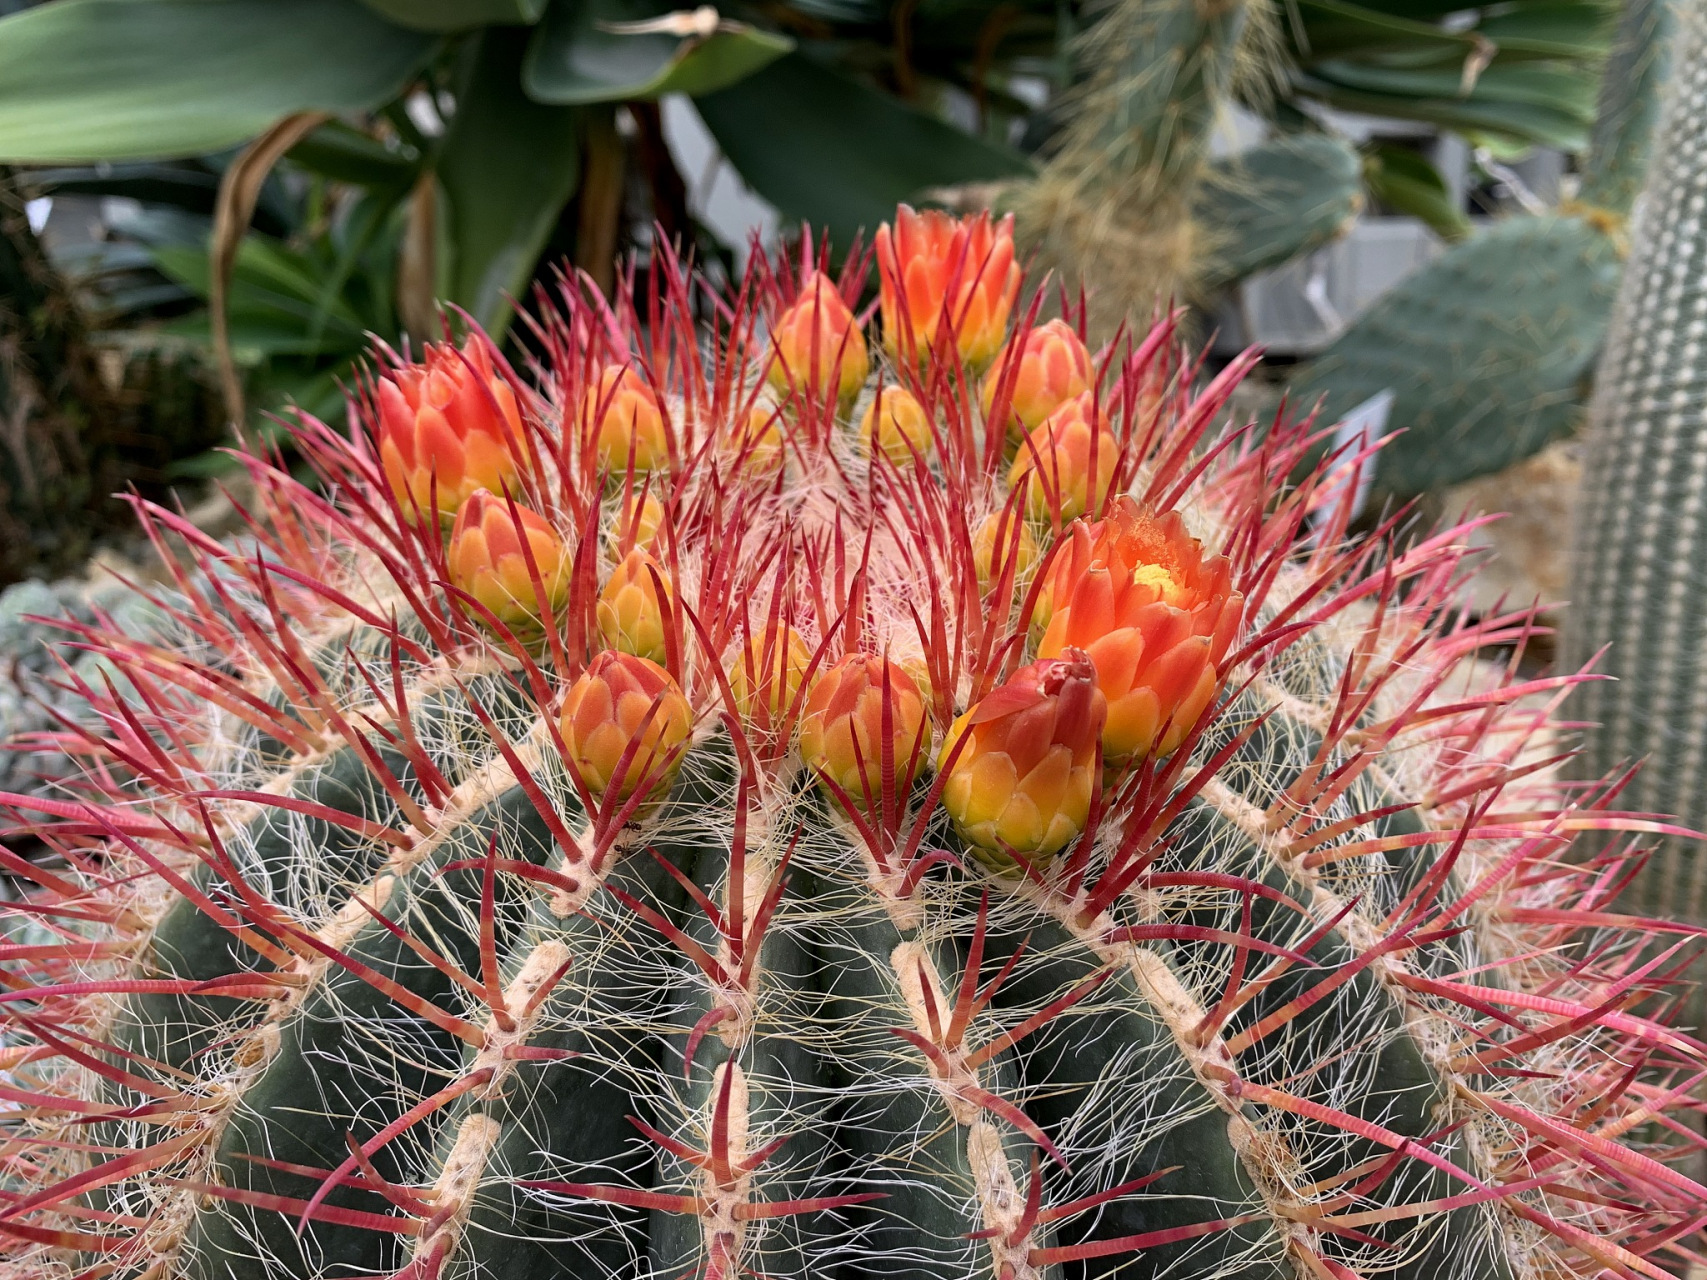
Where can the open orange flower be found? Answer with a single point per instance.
(486, 560)
(815, 344)
(621, 415)
(934, 268)
(842, 728)
(447, 426)
(1054, 367)
(1024, 781)
(1156, 616)
(621, 699)
(1067, 463)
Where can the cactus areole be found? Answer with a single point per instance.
(602, 853)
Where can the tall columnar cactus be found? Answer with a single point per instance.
(718, 847)
(1642, 513)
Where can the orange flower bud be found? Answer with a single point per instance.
(815, 344)
(768, 673)
(631, 607)
(1023, 783)
(619, 412)
(621, 699)
(1054, 367)
(932, 265)
(1157, 616)
(487, 561)
(1069, 461)
(447, 427)
(998, 540)
(902, 430)
(843, 723)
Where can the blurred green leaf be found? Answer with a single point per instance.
(508, 166)
(1334, 28)
(1554, 28)
(1406, 181)
(576, 59)
(275, 303)
(121, 79)
(824, 147)
(1541, 86)
(1272, 202)
(341, 153)
(1522, 122)
(457, 15)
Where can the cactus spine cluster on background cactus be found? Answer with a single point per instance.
(708, 848)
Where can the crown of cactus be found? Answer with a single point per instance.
(872, 881)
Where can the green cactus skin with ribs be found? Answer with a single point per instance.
(1490, 349)
(353, 974)
(1636, 552)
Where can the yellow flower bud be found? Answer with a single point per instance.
(998, 539)
(619, 413)
(1023, 783)
(621, 699)
(896, 423)
(1054, 367)
(768, 673)
(487, 561)
(1067, 462)
(756, 442)
(816, 345)
(638, 520)
(631, 607)
(842, 729)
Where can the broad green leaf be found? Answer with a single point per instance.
(507, 167)
(341, 153)
(1272, 202)
(456, 15)
(1564, 29)
(1339, 28)
(1406, 181)
(577, 58)
(124, 79)
(1517, 121)
(1539, 86)
(821, 146)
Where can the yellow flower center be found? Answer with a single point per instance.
(1168, 587)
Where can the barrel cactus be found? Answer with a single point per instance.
(624, 821)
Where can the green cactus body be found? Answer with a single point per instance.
(1639, 519)
(382, 944)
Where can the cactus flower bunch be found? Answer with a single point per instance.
(632, 821)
